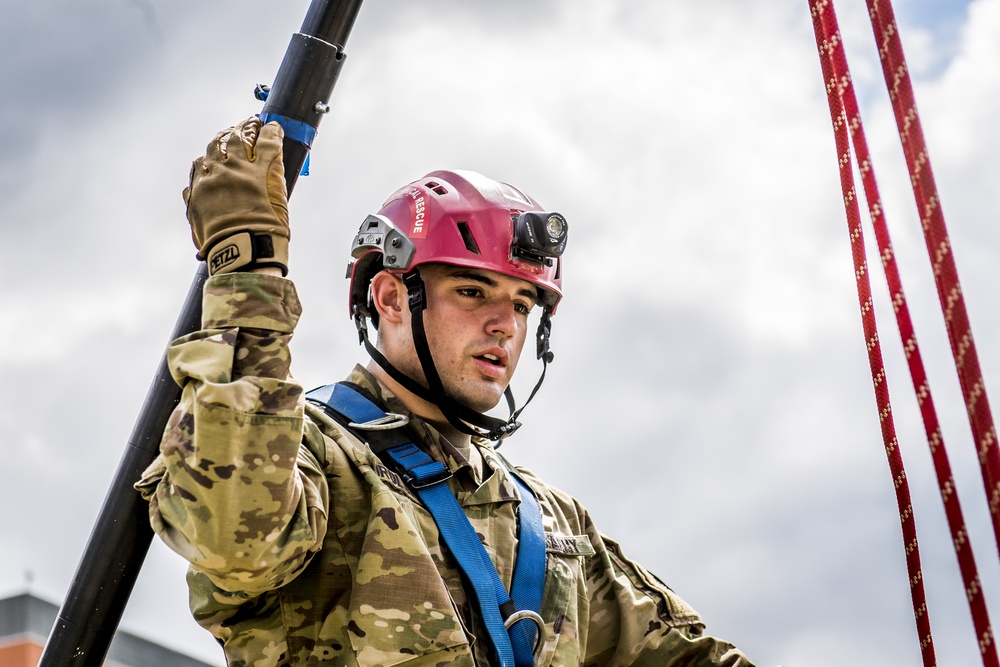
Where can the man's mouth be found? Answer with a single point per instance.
(491, 364)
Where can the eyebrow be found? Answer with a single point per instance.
(486, 280)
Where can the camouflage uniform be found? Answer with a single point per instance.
(306, 550)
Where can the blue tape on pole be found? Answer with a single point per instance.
(304, 133)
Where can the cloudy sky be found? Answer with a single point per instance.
(710, 401)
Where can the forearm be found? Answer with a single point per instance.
(238, 496)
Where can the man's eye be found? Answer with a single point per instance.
(469, 291)
(522, 308)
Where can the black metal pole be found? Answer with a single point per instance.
(110, 564)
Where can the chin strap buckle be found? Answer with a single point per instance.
(361, 322)
(542, 350)
(415, 290)
(504, 430)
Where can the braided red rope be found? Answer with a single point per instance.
(828, 43)
(963, 348)
(835, 64)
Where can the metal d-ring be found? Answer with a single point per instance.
(527, 614)
(391, 420)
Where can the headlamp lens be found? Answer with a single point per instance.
(555, 225)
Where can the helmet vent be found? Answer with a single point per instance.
(436, 188)
(468, 238)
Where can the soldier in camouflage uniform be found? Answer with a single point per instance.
(305, 547)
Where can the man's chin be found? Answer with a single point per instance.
(484, 405)
(480, 401)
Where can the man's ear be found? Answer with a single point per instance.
(389, 296)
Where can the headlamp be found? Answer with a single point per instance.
(539, 236)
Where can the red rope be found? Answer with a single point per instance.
(963, 348)
(828, 42)
(838, 78)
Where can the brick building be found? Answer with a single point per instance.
(25, 621)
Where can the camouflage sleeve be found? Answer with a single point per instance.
(232, 490)
(635, 619)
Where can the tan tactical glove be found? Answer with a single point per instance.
(237, 203)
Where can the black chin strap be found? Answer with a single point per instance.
(459, 415)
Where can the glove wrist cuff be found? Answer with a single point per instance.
(246, 250)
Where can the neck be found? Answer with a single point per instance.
(424, 409)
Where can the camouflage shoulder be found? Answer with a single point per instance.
(329, 441)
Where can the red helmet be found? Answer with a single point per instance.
(465, 219)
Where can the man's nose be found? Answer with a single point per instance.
(503, 319)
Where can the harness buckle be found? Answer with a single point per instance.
(529, 615)
(390, 421)
(429, 480)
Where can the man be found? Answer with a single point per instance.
(322, 530)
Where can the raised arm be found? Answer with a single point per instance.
(233, 490)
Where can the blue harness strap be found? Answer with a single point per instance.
(514, 645)
(529, 569)
(425, 476)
